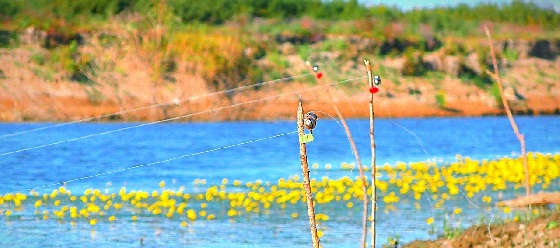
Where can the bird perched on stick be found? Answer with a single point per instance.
(310, 121)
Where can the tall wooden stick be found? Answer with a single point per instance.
(520, 137)
(306, 180)
(362, 176)
(358, 161)
(372, 141)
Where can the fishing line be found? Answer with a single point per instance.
(173, 102)
(419, 142)
(328, 115)
(471, 203)
(110, 172)
(173, 118)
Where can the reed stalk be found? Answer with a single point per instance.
(306, 181)
(360, 166)
(520, 136)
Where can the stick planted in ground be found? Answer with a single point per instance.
(358, 161)
(306, 180)
(520, 137)
(361, 168)
(372, 141)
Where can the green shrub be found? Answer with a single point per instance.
(38, 58)
(79, 67)
(9, 8)
(7, 38)
(453, 48)
(440, 99)
(277, 59)
(511, 55)
(304, 51)
(334, 45)
(414, 64)
(482, 81)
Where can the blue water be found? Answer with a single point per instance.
(406, 140)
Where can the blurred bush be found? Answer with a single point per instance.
(413, 63)
(219, 57)
(461, 18)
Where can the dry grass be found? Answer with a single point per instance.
(536, 233)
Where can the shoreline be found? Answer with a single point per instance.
(61, 121)
(539, 230)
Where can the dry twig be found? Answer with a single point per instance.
(520, 137)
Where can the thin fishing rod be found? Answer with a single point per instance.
(170, 119)
(174, 102)
(110, 172)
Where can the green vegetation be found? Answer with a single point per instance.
(392, 242)
(552, 224)
(413, 64)
(462, 18)
(440, 99)
(511, 55)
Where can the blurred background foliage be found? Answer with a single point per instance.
(44, 12)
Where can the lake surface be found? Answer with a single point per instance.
(407, 140)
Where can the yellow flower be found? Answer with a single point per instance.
(162, 184)
(322, 217)
(507, 210)
(319, 233)
(294, 215)
(430, 220)
(191, 214)
(349, 205)
(93, 222)
(183, 223)
(231, 212)
(111, 218)
(134, 218)
(457, 211)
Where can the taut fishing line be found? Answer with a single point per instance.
(171, 119)
(192, 154)
(173, 102)
(421, 143)
(110, 172)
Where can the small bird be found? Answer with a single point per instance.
(310, 121)
(377, 80)
(315, 68)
